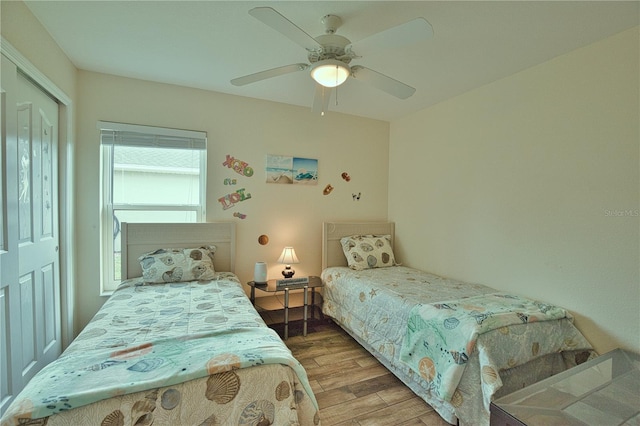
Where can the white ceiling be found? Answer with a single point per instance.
(205, 44)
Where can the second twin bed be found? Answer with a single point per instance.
(456, 345)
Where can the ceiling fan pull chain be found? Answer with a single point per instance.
(324, 93)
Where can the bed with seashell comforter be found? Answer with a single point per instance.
(190, 351)
(457, 345)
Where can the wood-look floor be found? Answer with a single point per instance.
(351, 386)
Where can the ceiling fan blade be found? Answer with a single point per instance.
(321, 99)
(410, 32)
(281, 24)
(382, 82)
(263, 75)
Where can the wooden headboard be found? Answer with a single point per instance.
(332, 254)
(141, 238)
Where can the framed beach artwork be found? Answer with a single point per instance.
(283, 169)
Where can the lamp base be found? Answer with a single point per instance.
(288, 272)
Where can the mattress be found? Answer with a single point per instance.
(374, 306)
(179, 353)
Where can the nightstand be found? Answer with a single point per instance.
(603, 390)
(270, 287)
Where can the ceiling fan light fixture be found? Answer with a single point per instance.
(330, 72)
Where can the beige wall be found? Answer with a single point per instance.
(248, 130)
(20, 28)
(530, 185)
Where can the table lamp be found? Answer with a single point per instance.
(288, 257)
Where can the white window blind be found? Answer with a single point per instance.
(147, 136)
(149, 174)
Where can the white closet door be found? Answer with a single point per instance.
(29, 264)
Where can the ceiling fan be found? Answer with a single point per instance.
(330, 55)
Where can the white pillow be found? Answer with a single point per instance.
(178, 265)
(368, 251)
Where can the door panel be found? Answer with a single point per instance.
(31, 334)
(25, 124)
(27, 324)
(46, 165)
(51, 323)
(5, 372)
(11, 349)
(38, 247)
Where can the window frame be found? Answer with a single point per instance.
(108, 281)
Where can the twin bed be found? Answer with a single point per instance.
(178, 343)
(456, 345)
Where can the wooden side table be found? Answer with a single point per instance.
(270, 287)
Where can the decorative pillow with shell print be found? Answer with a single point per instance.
(178, 265)
(368, 251)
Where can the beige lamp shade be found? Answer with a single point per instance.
(288, 257)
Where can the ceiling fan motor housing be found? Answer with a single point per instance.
(333, 47)
(331, 23)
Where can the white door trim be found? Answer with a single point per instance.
(66, 185)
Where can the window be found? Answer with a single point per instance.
(149, 174)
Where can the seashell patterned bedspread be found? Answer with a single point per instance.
(180, 353)
(375, 306)
(441, 336)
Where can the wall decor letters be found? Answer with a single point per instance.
(238, 166)
(232, 199)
